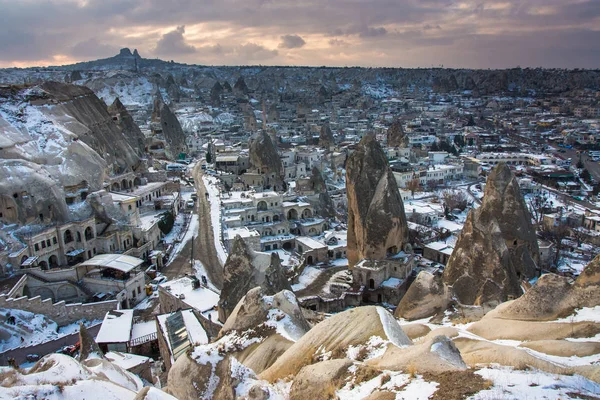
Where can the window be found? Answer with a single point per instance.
(133, 293)
(139, 290)
(43, 244)
(129, 207)
(36, 247)
(48, 242)
(54, 241)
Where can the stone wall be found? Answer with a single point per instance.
(61, 313)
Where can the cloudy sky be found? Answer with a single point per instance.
(395, 33)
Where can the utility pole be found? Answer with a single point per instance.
(192, 255)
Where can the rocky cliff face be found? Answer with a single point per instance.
(376, 220)
(326, 137)
(171, 128)
(130, 129)
(497, 247)
(55, 135)
(396, 136)
(264, 157)
(246, 269)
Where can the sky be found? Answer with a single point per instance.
(373, 33)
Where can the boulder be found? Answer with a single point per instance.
(317, 381)
(434, 355)
(333, 336)
(425, 297)
(245, 269)
(497, 247)
(376, 220)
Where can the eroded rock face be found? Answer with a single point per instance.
(171, 128)
(88, 346)
(396, 136)
(131, 130)
(246, 269)
(264, 157)
(376, 220)
(497, 247)
(426, 296)
(326, 137)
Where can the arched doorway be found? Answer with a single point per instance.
(43, 265)
(292, 214)
(309, 260)
(68, 236)
(137, 181)
(307, 213)
(261, 206)
(287, 246)
(44, 293)
(115, 187)
(124, 184)
(371, 283)
(89, 234)
(53, 261)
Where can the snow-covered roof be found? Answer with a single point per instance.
(126, 360)
(120, 262)
(116, 327)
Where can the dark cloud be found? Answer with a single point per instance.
(338, 43)
(173, 43)
(291, 42)
(475, 33)
(254, 52)
(92, 48)
(372, 32)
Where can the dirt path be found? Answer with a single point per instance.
(205, 250)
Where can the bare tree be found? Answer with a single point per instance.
(414, 185)
(454, 199)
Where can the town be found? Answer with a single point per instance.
(148, 209)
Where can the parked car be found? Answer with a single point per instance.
(32, 357)
(190, 204)
(157, 281)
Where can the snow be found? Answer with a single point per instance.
(533, 384)
(307, 277)
(34, 328)
(403, 385)
(196, 333)
(116, 327)
(200, 271)
(191, 232)
(202, 299)
(390, 327)
(207, 354)
(375, 347)
(210, 184)
(126, 360)
(142, 329)
(591, 314)
(284, 325)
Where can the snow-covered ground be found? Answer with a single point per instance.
(211, 184)
(34, 329)
(306, 278)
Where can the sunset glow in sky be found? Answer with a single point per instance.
(413, 33)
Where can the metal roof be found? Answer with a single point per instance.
(115, 261)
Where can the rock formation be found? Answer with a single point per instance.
(87, 345)
(326, 139)
(376, 220)
(425, 297)
(554, 296)
(171, 128)
(130, 129)
(240, 87)
(497, 247)
(246, 269)
(265, 159)
(396, 136)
